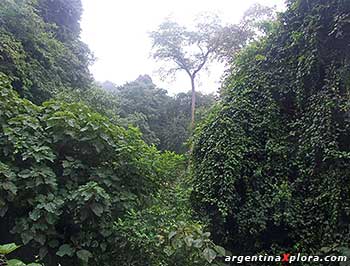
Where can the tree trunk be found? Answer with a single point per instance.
(193, 105)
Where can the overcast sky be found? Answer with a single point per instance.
(117, 33)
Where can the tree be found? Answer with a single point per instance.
(177, 132)
(144, 105)
(163, 120)
(271, 164)
(188, 50)
(65, 14)
(40, 62)
(97, 98)
(254, 24)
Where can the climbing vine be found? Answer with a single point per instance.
(271, 164)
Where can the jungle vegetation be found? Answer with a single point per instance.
(93, 173)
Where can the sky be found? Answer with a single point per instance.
(117, 32)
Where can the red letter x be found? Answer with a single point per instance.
(286, 257)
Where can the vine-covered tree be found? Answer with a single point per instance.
(271, 165)
(40, 62)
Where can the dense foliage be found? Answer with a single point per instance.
(67, 174)
(163, 120)
(78, 185)
(271, 165)
(165, 233)
(104, 102)
(34, 53)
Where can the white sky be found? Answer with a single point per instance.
(117, 33)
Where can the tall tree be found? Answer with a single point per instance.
(188, 50)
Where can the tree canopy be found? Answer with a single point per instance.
(39, 61)
(163, 119)
(188, 50)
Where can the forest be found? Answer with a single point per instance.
(98, 174)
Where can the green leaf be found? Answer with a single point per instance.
(65, 250)
(8, 248)
(42, 252)
(3, 211)
(27, 236)
(10, 187)
(40, 238)
(188, 240)
(345, 251)
(220, 250)
(84, 255)
(35, 215)
(15, 262)
(206, 234)
(172, 234)
(260, 57)
(209, 254)
(326, 249)
(198, 243)
(53, 243)
(169, 251)
(71, 122)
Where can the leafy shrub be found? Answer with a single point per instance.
(6, 250)
(165, 233)
(67, 174)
